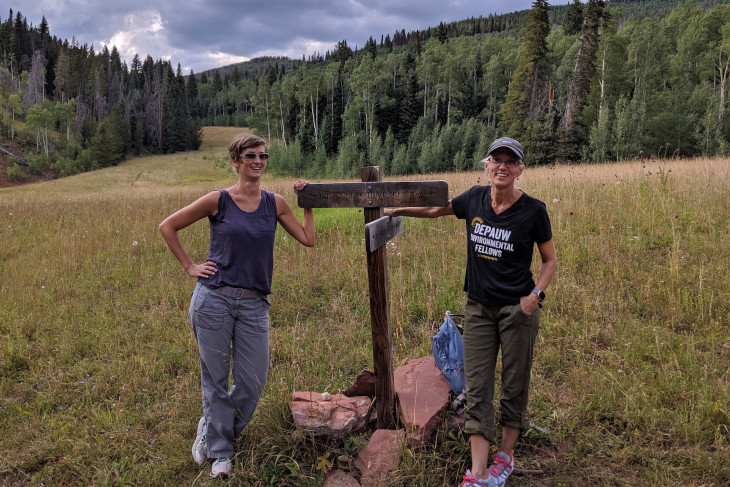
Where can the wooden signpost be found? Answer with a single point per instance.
(372, 195)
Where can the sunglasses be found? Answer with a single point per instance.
(508, 163)
(251, 156)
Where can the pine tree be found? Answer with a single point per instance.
(88, 129)
(62, 81)
(176, 116)
(408, 105)
(371, 47)
(573, 19)
(334, 110)
(572, 136)
(106, 146)
(414, 43)
(135, 71)
(217, 81)
(138, 139)
(20, 44)
(342, 53)
(523, 97)
(121, 129)
(191, 92)
(441, 33)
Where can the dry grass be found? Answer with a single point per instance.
(98, 368)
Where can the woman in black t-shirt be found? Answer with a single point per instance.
(503, 308)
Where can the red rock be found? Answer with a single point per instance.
(380, 457)
(364, 385)
(338, 478)
(325, 415)
(422, 398)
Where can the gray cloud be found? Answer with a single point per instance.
(201, 35)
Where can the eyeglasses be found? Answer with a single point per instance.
(508, 162)
(251, 156)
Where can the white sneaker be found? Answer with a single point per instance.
(221, 468)
(200, 448)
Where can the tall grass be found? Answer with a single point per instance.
(99, 379)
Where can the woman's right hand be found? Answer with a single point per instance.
(202, 270)
(529, 303)
(300, 184)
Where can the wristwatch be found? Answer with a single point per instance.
(540, 294)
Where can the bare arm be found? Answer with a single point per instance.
(421, 212)
(549, 264)
(547, 271)
(303, 232)
(202, 207)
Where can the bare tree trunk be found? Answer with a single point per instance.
(268, 117)
(35, 90)
(314, 108)
(159, 122)
(281, 117)
(533, 92)
(436, 106)
(448, 104)
(602, 82)
(425, 97)
(723, 71)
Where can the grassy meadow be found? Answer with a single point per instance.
(99, 375)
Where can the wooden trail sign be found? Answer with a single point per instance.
(381, 231)
(372, 195)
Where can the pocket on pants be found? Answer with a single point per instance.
(203, 311)
(198, 298)
(521, 316)
(260, 315)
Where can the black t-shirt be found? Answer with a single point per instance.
(499, 247)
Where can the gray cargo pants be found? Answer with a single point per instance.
(233, 337)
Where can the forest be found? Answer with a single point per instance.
(588, 81)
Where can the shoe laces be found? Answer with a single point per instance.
(470, 480)
(500, 466)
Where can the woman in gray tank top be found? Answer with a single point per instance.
(229, 309)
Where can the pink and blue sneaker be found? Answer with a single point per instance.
(498, 472)
(500, 469)
(472, 481)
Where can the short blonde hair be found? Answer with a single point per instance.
(243, 141)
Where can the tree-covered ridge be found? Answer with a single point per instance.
(582, 81)
(82, 109)
(614, 88)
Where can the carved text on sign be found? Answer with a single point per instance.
(374, 195)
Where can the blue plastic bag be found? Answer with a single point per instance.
(448, 352)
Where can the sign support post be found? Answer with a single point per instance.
(372, 195)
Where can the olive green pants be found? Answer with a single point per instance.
(486, 330)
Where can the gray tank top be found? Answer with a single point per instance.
(242, 244)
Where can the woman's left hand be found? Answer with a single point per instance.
(529, 303)
(298, 185)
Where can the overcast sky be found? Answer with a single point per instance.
(201, 35)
